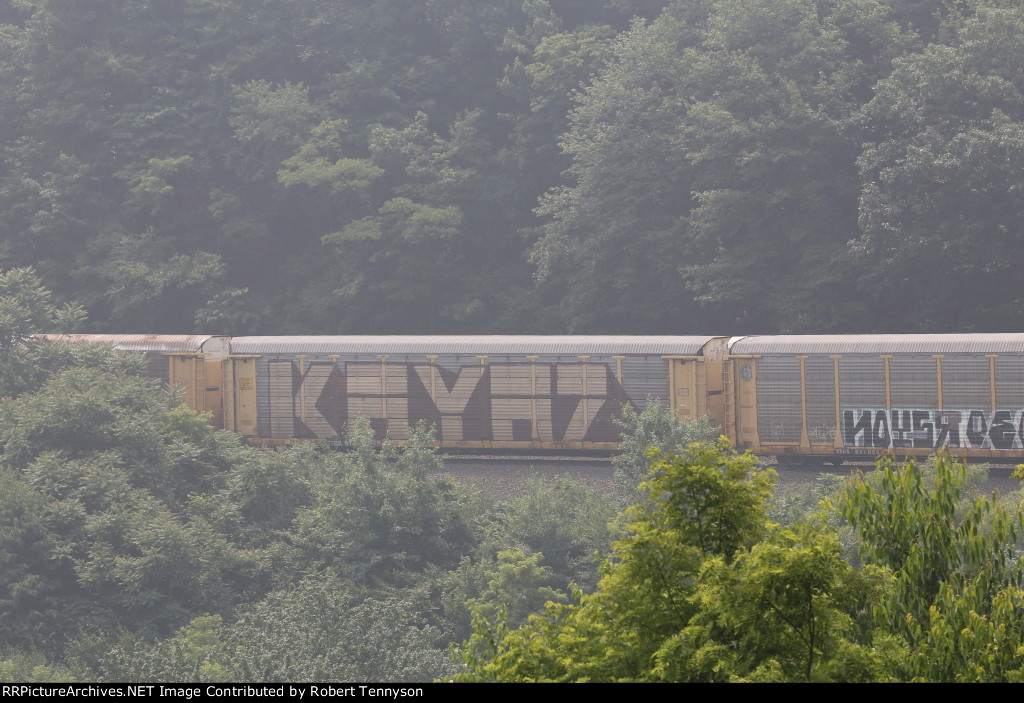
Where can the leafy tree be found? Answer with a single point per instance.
(782, 612)
(108, 464)
(515, 587)
(963, 643)
(30, 667)
(27, 308)
(940, 203)
(378, 516)
(549, 540)
(655, 426)
(924, 534)
(956, 579)
(29, 599)
(314, 631)
(712, 150)
(710, 504)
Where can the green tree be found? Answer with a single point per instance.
(782, 611)
(955, 594)
(921, 529)
(655, 426)
(515, 587)
(714, 151)
(378, 516)
(26, 308)
(940, 204)
(708, 504)
(316, 630)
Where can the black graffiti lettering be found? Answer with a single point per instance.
(901, 428)
(925, 428)
(880, 435)
(1001, 431)
(948, 426)
(862, 428)
(977, 427)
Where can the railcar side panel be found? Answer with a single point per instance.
(959, 391)
(533, 402)
(552, 399)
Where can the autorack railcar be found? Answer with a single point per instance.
(488, 392)
(803, 398)
(826, 397)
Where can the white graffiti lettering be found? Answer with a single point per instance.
(896, 428)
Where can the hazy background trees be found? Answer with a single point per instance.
(528, 166)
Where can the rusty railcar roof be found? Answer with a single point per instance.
(137, 342)
(991, 343)
(497, 345)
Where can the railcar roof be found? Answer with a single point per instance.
(498, 345)
(991, 343)
(137, 342)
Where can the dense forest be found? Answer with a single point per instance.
(509, 166)
(137, 543)
(517, 166)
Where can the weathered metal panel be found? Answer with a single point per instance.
(913, 382)
(468, 391)
(965, 382)
(862, 382)
(1007, 343)
(417, 347)
(282, 408)
(778, 399)
(645, 377)
(1010, 382)
(157, 366)
(819, 375)
(169, 343)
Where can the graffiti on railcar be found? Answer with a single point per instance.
(931, 429)
(538, 402)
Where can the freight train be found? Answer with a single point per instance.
(803, 398)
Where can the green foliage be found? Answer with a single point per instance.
(704, 589)
(929, 538)
(315, 631)
(29, 599)
(655, 426)
(379, 516)
(515, 587)
(940, 198)
(30, 667)
(97, 469)
(710, 504)
(318, 163)
(780, 612)
(27, 308)
(955, 597)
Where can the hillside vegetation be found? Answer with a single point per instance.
(547, 166)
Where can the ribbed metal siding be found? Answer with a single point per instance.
(862, 382)
(157, 367)
(965, 383)
(645, 377)
(913, 382)
(561, 375)
(819, 377)
(280, 403)
(514, 345)
(918, 344)
(1010, 382)
(778, 399)
(137, 342)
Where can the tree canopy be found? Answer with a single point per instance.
(550, 166)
